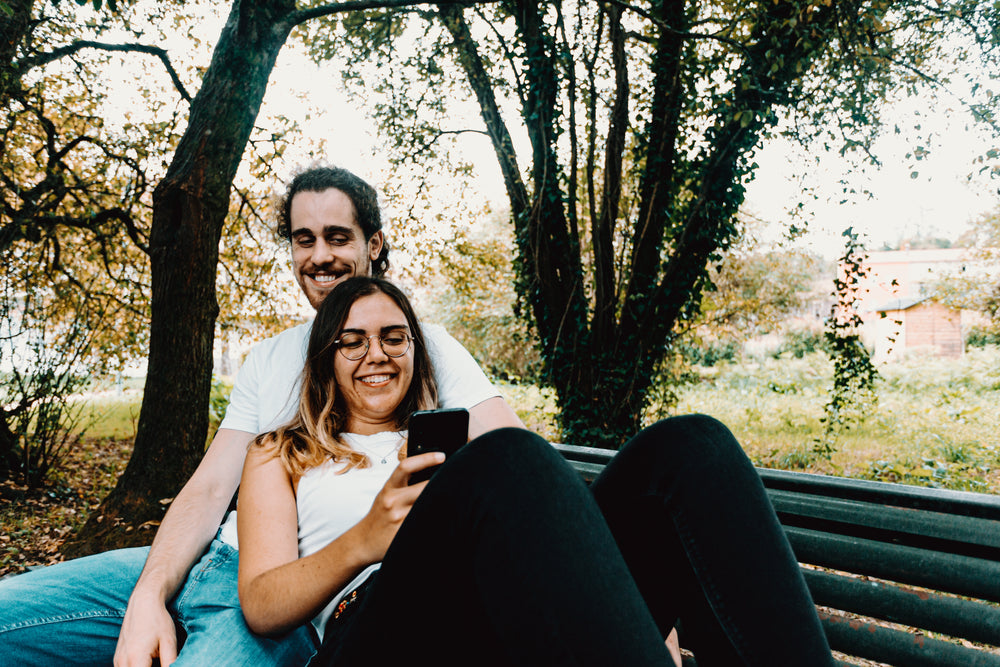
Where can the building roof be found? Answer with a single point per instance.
(900, 304)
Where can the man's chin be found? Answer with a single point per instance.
(316, 294)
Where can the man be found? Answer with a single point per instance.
(132, 603)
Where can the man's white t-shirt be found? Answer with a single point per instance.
(266, 392)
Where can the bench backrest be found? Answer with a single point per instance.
(877, 556)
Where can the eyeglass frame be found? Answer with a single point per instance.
(368, 344)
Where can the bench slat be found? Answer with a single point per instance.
(961, 575)
(919, 609)
(972, 536)
(875, 642)
(963, 503)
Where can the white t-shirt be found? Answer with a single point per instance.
(329, 504)
(266, 391)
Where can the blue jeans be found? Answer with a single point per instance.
(71, 614)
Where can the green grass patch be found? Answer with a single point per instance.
(111, 414)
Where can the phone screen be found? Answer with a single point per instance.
(442, 430)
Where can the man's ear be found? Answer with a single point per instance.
(375, 244)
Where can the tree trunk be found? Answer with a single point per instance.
(189, 208)
(14, 26)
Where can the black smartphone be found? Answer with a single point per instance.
(442, 430)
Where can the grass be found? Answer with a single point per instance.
(937, 422)
(111, 413)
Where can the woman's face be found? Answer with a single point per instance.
(374, 385)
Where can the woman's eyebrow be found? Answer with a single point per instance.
(389, 327)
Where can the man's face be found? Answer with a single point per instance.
(328, 245)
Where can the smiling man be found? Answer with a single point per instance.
(130, 605)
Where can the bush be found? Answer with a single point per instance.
(711, 353)
(801, 342)
(981, 337)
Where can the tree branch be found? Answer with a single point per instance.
(302, 15)
(76, 47)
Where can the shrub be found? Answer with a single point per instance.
(981, 337)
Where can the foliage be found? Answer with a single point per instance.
(981, 337)
(37, 419)
(854, 376)
(753, 291)
(471, 287)
(977, 286)
(635, 132)
(933, 414)
(800, 342)
(217, 403)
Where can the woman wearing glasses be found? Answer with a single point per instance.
(504, 557)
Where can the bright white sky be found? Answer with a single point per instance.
(939, 201)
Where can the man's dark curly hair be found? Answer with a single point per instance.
(366, 210)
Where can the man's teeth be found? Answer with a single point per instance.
(375, 379)
(324, 279)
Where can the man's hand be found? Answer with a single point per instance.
(147, 632)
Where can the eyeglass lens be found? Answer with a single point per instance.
(355, 346)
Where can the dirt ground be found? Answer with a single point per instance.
(34, 522)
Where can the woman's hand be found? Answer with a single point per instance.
(392, 505)
(279, 590)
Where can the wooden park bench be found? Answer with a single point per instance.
(900, 574)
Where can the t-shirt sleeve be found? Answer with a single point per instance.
(242, 413)
(461, 383)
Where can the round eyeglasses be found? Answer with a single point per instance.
(354, 346)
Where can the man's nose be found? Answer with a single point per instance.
(322, 252)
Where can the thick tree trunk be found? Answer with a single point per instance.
(189, 207)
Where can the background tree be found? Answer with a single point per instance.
(977, 286)
(190, 204)
(641, 120)
(78, 163)
(754, 289)
(469, 288)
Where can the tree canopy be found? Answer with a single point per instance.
(625, 135)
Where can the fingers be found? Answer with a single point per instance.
(147, 633)
(412, 464)
(168, 650)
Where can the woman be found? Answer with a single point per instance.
(506, 558)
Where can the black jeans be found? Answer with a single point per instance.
(506, 559)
